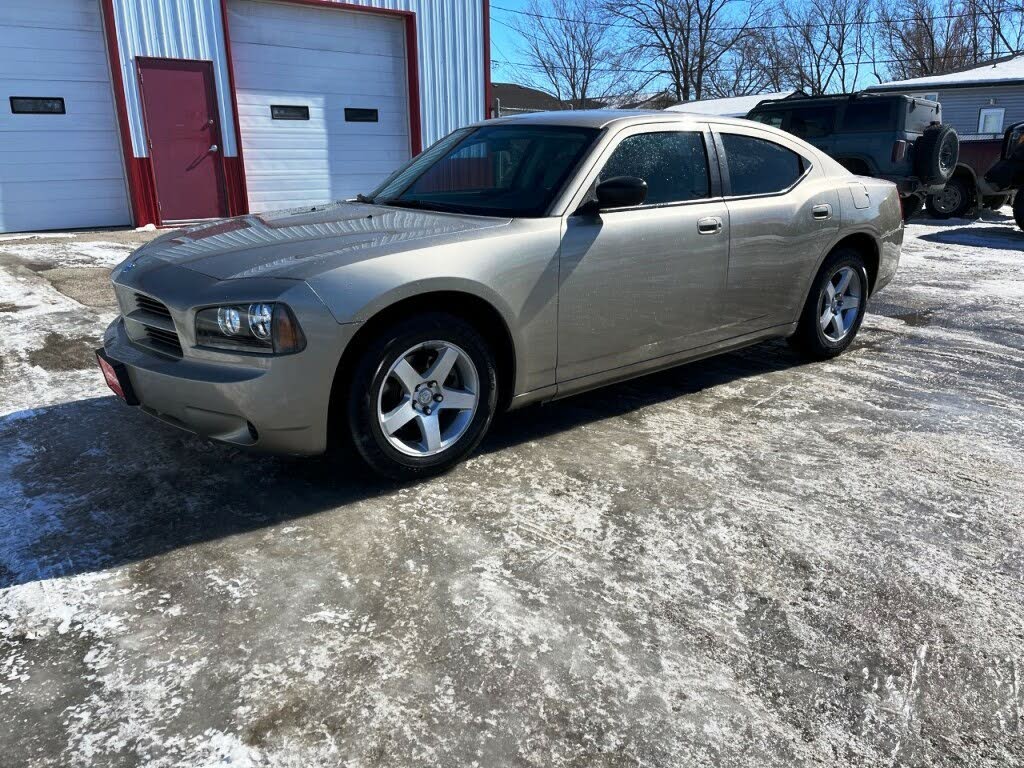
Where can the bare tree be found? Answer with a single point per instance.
(688, 41)
(923, 38)
(746, 69)
(574, 49)
(825, 43)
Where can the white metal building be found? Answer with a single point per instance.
(116, 112)
(730, 106)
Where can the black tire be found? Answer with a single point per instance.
(371, 372)
(1018, 209)
(936, 154)
(954, 202)
(910, 205)
(810, 339)
(995, 202)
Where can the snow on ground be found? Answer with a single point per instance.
(744, 561)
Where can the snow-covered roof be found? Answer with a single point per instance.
(734, 106)
(1006, 70)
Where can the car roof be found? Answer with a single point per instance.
(602, 118)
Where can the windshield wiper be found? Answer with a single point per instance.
(361, 198)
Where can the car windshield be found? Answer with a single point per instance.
(499, 170)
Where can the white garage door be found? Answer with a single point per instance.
(322, 100)
(57, 170)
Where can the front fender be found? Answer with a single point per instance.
(515, 272)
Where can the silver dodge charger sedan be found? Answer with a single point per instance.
(515, 261)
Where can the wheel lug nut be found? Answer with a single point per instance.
(426, 410)
(438, 397)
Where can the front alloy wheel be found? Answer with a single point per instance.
(422, 395)
(428, 398)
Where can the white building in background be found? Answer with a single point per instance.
(979, 102)
(732, 106)
(117, 112)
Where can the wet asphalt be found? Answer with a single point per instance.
(746, 561)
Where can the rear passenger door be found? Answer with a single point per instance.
(783, 214)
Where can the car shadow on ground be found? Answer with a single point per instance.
(1000, 238)
(92, 484)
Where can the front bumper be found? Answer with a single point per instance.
(276, 404)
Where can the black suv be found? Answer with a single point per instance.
(1007, 175)
(889, 136)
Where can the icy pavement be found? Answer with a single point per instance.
(745, 561)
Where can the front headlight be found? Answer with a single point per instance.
(267, 328)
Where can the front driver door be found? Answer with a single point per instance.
(640, 283)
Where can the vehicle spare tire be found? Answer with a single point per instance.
(936, 154)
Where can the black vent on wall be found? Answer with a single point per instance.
(355, 115)
(289, 112)
(37, 105)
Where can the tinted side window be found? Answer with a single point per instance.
(812, 122)
(758, 166)
(674, 165)
(865, 116)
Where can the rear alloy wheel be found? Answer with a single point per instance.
(834, 308)
(422, 396)
(953, 202)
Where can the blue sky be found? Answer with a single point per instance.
(505, 41)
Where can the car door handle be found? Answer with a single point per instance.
(823, 211)
(709, 225)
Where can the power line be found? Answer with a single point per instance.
(716, 68)
(752, 27)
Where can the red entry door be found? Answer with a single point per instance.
(182, 127)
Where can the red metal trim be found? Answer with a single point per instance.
(488, 90)
(412, 64)
(238, 192)
(137, 174)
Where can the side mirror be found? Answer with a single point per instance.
(621, 192)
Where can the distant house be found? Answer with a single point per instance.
(733, 106)
(979, 102)
(660, 100)
(512, 99)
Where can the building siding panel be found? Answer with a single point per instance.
(58, 171)
(450, 40)
(326, 60)
(961, 107)
(174, 29)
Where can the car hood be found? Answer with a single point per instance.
(303, 243)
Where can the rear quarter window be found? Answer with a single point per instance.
(760, 167)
